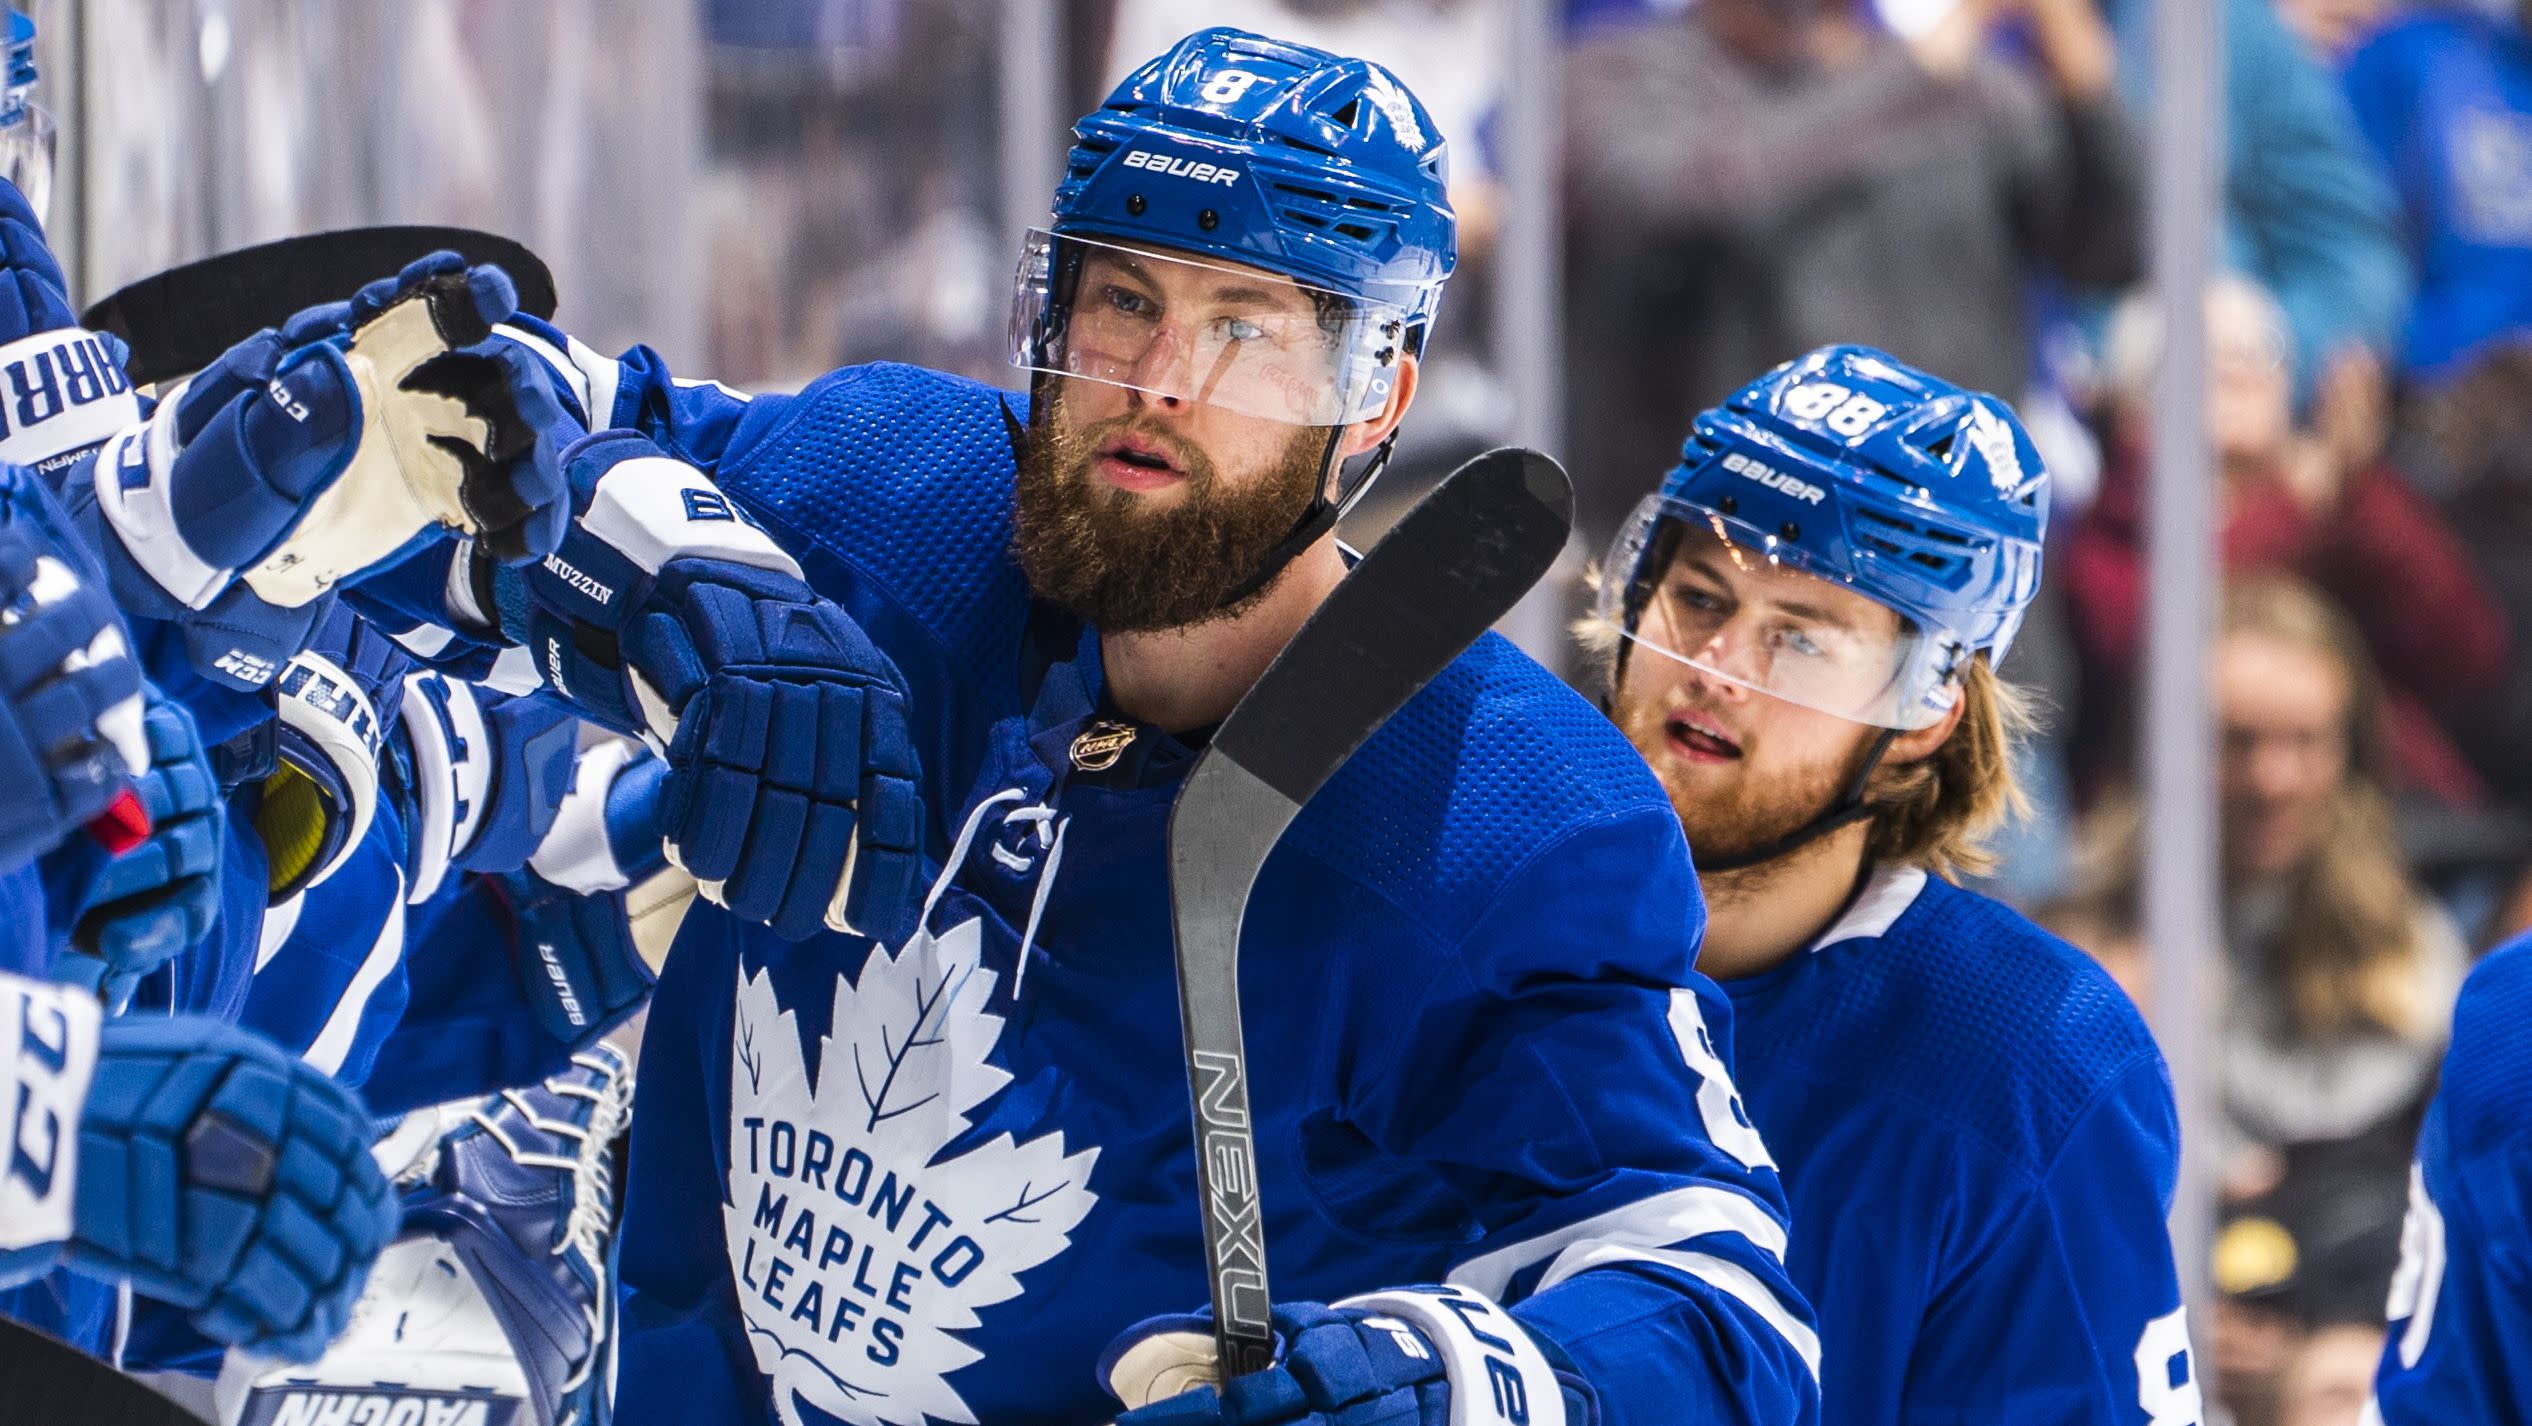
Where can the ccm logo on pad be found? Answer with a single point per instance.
(1773, 478)
(1185, 168)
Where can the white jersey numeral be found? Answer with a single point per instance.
(1718, 1102)
(2169, 1396)
(2421, 1277)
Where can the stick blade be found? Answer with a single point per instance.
(179, 321)
(1444, 574)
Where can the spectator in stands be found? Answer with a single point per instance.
(2331, 1377)
(2445, 95)
(2340, 975)
(2307, 209)
(2477, 434)
(1754, 178)
(2322, 505)
(2332, 29)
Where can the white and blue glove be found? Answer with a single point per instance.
(193, 1159)
(70, 691)
(62, 389)
(791, 794)
(482, 774)
(305, 457)
(1424, 1356)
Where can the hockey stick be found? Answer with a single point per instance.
(45, 1380)
(179, 321)
(1453, 566)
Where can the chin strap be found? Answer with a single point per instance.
(1319, 517)
(1850, 806)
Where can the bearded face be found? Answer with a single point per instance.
(1134, 517)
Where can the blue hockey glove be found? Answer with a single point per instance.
(580, 969)
(791, 794)
(485, 773)
(147, 905)
(340, 443)
(65, 390)
(1387, 1359)
(222, 1176)
(70, 691)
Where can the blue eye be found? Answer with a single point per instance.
(1128, 301)
(1799, 642)
(1241, 329)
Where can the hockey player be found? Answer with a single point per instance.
(191, 1159)
(2461, 1304)
(1803, 625)
(934, 1174)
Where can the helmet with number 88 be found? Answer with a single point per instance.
(1236, 151)
(1850, 467)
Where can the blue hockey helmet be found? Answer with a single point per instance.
(1851, 467)
(1234, 150)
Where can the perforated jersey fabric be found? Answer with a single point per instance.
(2460, 1345)
(1466, 989)
(1978, 1141)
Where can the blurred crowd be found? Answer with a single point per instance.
(1963, 183)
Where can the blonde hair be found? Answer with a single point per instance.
(2350, 952)
(1939, 811)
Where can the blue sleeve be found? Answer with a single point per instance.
(685, 1351)
(1568, 1075)
(466, 1030)
(2069, 1308)
(694, 420)
(214, 975)
(2311, 211)
(2460, 1346)
(335, 986)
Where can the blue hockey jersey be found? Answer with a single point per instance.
(2445, 96)
(1978, 1139)
(2461, 1304)
(930, 1180)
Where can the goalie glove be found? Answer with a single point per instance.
(497, 1301)
(1423, 1356)
(307, 456)
(790, 795)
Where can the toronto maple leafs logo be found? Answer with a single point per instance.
(857, 1255)
(1391, 100)
(1989, 437)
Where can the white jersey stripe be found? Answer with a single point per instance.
(1736, 1281)
(334, 1042)
(1654, 1222)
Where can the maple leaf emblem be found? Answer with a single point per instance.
(857, 1255)
(1391, 100)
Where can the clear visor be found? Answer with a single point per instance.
(1705, 590)
(1187, 330)
(26, 152)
